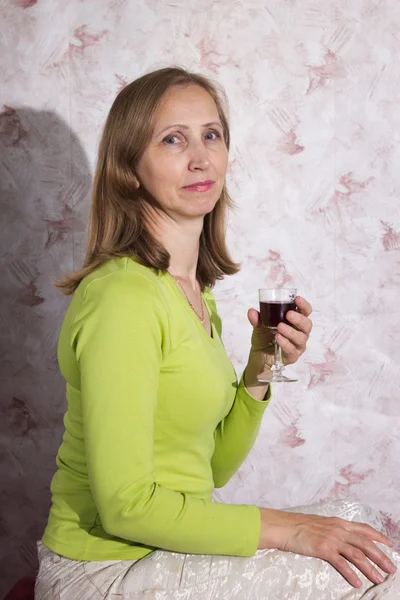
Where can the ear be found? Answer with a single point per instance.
(136, 181)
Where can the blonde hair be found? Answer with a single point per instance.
(118, 224)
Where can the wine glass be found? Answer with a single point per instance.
(274, 304)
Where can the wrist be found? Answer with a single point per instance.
(258, 363)
(276, 526)
(255, 388)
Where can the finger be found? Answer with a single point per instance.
(297, 338)
(358, 558)
(364, 538)
(299, 321)
(368, 531)
(373, 552)
(304, 306)
(254, 317)
(345, 569)
(290, 351)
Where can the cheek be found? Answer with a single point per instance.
(159, 174)
(221, 163)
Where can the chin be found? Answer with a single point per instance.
(198, 206)
(205, 209)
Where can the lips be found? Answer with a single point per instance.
(199, 186)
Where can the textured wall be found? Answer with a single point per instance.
(314, 92)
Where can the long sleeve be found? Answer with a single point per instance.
(236, 434)
(121, 337)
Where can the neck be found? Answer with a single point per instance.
(181, 240)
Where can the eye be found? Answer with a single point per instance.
(213, 135)
(170, 140)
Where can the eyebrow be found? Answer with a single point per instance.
(187, 127)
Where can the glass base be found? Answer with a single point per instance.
(276, 378)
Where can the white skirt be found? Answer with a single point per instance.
(164, 575)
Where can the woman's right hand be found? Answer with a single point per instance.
(330, 538)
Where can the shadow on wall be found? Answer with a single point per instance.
(45, 185)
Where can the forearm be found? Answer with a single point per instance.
(274, 528)
(236, 434)
(156, 516)
(255, 367)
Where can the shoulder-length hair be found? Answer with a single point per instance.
(118, 225)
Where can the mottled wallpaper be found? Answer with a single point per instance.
(314, 92)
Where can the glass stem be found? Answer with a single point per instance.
(278, 365)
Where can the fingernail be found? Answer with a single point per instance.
(358, 583)
(380, 578)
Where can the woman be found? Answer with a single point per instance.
(156, 418)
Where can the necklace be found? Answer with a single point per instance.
(201, 317)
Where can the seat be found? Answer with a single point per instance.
(24, 589)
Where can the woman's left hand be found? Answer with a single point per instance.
(291, 338)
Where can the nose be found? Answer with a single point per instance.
(198, 157)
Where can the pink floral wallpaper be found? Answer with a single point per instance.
(314, 90)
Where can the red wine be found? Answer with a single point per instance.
(273, 313)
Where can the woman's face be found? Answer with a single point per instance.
(184, 165)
